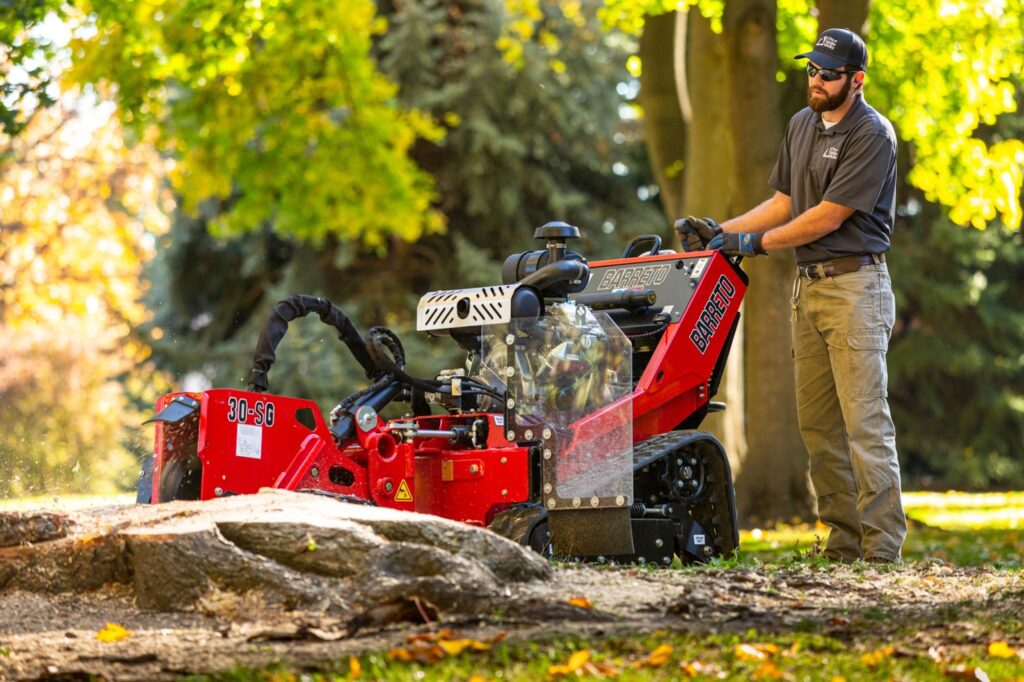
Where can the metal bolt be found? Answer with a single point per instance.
(218, 491)
(510, 339)
(576, 502)
(314, 472)
(511, 435)
(474, 468)
(659, 543)
(551, 503)
(687, 472)
(640, 560)
(510, 371)
(547, 488)
(547, 434)
(547, 453)
(666, 560)
(679, 462)
(389, 486)
(528, 434)
(504, 460)
(694, 484)
(620, 500)
(693, 461)
(504, 492)
(510, 403)
(601, 559)
(366, 417)
(708, 550)
(594, 501)
(680, 484)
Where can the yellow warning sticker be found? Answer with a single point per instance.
(403, 494)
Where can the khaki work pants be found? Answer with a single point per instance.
(841, 327)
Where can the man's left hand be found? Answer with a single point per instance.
(738, 243)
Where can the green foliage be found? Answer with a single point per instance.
(955, 356)
(275, 107)
(945, 73)
(25, 54)
(628, 15)
(522, 146)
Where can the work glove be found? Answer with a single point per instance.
(695, 233)
(738, 243)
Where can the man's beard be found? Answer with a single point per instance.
(822, 101)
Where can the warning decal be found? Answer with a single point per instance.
(249, 441)
(403, 494)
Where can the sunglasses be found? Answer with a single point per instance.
(827, 75)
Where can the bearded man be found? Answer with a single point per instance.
(834, 203)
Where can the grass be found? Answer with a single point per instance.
(666, 655)
(957, 528)
(952, 528)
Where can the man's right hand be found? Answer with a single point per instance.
(695, 233)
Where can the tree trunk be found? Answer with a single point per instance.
(701, 72)
(773, 484)
(664, 128)
(851, 14)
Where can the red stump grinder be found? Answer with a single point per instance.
(569, 429)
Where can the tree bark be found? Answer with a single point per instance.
(664, 127)
(701, 71)
(851, 14)
(773, 484)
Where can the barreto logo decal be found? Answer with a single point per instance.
(635, 276)
(714, 311)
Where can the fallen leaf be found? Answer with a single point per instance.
(698, 668)
(962, 672)
(576, 661)
(355, 670)
(581, 601)
(873, 658)
(755, 652)
(768, 671)
(656, 658)
(112, 632)
(454, 647)
(1001, 649)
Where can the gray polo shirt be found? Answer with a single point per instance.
(853, 163)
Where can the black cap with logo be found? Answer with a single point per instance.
(836, 48)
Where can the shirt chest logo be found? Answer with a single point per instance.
(831, 153)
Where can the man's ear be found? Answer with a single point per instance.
(858, 78)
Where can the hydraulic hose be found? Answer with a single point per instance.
(277, 324)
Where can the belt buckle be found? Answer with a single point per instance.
(813, 271)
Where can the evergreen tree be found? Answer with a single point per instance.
(524, 144)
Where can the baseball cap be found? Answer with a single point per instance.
(838, 47)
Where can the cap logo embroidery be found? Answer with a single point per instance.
(828, 42)
(831, 153)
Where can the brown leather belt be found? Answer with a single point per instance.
(839, 266)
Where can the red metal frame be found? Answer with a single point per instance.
(247, 441)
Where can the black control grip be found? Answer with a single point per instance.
(629, 299)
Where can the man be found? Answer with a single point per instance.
(835, 182)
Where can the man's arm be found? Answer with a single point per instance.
(812, 224)
(765, 216)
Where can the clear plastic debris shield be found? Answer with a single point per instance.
(569, 380)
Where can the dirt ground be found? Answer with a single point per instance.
(930, 606)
